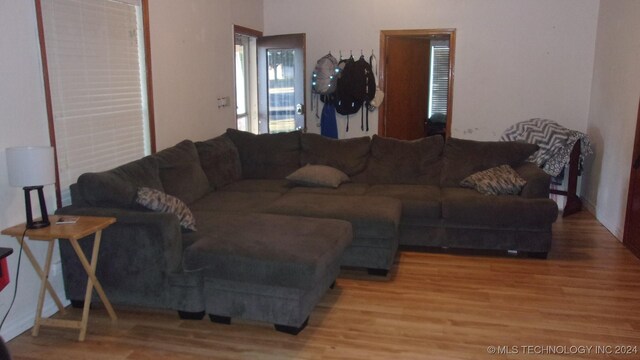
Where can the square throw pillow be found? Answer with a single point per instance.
(159, 201)
(500, 180)
(318, 176)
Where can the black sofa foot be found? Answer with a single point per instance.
(188, 315)
(292, 330)
(537, 255)
(220, 319)
(78, 304)
(333, 284)
(377, 272)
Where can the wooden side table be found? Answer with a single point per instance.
(85, 226)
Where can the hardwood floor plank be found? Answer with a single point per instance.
(432, 306)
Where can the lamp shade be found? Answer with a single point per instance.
(30, 166)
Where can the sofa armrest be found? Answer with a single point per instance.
(538, 181)
(153, 233)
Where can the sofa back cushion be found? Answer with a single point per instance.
(394, 161)
(220, 160)
(118, 187)
(347, 155)
(267, 156)
(465, 157)
(180, 172)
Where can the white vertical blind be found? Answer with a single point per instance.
(95, 59)
(439, 79)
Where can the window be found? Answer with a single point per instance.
(439, 77)
(246, 82)
(94, 56)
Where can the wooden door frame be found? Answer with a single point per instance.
(384, 37)
(635, 248)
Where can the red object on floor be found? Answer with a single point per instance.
(4, 274)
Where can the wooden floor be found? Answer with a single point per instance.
(435, 306)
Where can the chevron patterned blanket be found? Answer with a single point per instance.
(555, 142)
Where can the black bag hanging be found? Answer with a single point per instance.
(343, 98)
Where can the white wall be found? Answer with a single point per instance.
(192, 63)
(515, 59)
(613, 112)
(23, 120)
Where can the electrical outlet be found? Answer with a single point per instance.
(56, 269)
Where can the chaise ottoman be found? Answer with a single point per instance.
(375, 221)
(272, 268)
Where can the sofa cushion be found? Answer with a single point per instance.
(118, 187)
(467, 207)
(181, 173)
(465, 157)
(347, 155)
(421, 201)
(267, 156)
(371, 216)
(220, 160)
(274, 250)
(159, 201)
(344, 189)
(258, 185)
(232, 201)
(394, 161)
(499, 180)
(318, 176)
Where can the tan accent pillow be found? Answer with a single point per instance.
(318, 176)
(159, 201)
(499, 180)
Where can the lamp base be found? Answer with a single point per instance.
(44, 222)
(38, 224)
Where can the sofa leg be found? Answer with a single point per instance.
(188, 315)
(292, 330)
(333, 284)
(220, 319)
(377, 272)
(78, 304)
(537, 254)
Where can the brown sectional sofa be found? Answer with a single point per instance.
(268, 250)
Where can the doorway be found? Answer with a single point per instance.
(281, 83)
(270, 80)
(416, 75)
(631, 237)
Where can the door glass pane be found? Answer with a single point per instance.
(282, 107)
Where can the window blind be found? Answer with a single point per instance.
(439, 81)
(95, 60)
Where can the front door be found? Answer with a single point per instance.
(631, 237)
(281, 83)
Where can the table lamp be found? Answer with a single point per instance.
(32, 167)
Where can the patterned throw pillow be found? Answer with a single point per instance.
(500, 180)
(159, 201)
(318, 176)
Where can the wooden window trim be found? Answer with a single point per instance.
(237, 29)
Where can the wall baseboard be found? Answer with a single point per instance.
(12, 330)
(591, 207)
